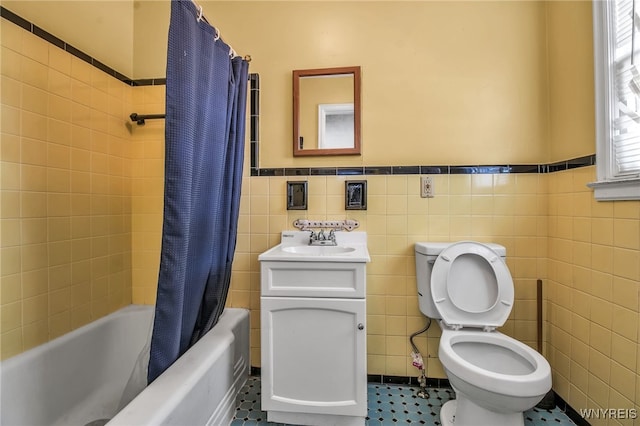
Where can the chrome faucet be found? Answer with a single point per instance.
(321, 239)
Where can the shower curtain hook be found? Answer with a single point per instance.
(232, 53)
(200, 13)
(217, 36)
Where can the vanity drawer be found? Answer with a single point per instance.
(313, 279)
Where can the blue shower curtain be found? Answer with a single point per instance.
(204, 143)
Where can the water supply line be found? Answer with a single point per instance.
(419, 363)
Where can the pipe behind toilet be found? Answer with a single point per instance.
(549, 400)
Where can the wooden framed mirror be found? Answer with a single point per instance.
(326, 111)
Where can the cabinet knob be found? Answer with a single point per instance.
(360, 326)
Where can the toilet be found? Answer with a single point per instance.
(468, 288)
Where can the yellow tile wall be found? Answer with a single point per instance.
(592, 296)
(508, 209)
(65, 222)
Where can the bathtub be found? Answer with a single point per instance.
(79, 378)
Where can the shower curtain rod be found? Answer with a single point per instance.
(140, 118)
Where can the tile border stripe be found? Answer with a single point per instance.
(573, 163)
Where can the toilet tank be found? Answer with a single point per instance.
(426, 254)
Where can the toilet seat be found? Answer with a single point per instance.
(471, 286)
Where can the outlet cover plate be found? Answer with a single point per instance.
(426, 187)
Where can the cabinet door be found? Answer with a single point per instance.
(314, 355)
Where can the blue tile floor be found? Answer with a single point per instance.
(388, 404)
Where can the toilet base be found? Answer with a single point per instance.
(462, 412)
(447, 413)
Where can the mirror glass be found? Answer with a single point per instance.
(326, 111)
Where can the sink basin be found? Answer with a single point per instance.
(294, 247)
(318, 250)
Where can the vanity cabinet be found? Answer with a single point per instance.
(313, 325)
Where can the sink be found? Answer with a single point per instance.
(318, 250)
(294, 247)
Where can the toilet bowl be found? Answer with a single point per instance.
(468, 288)
(495, 372)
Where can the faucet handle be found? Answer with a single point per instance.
(312, 237)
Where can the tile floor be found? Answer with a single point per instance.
(388, 404)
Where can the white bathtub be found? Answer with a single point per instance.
(80, 377)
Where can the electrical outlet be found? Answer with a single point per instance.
(426, 187)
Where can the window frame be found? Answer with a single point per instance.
(608, 186)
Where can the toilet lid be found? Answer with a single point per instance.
(471, 286)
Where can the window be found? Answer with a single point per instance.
(616, 28)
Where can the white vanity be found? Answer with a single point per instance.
(313, 325)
